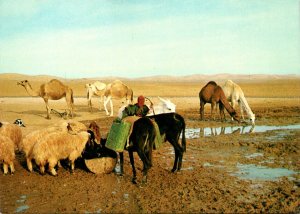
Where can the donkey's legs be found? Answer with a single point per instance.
(121, 162)
(132, 165)
(178, 154)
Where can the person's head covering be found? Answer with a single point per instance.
(141, 101)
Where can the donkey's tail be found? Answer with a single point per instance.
(183, 140)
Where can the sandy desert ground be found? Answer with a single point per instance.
(228, 167)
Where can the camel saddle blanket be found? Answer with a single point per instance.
(119, 133)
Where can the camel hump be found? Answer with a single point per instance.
(229, 82)
(212, 83)
(99, 85)
(55, 82)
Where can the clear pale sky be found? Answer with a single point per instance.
(136, 38)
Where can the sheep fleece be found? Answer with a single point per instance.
(56, 146)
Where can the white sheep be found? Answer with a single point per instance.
(35, 136)
(13, 132)
(59, 145)
(7, 154)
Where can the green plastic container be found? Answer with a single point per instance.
(117, 136)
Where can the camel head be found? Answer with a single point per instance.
(235, 116)
(252, 119)
(23, 83)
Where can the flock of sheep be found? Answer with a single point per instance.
(65, 140)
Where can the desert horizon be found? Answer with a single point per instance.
(168, 86)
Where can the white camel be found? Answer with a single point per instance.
(235, 94)
(116, 90)
(97, 88)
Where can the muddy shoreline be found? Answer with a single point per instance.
(217, 173)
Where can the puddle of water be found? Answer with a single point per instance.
(251, 171)
(188, 168)
(206, 164)
(22, 208)
(192, 133)
(254, 155)
(126, 197)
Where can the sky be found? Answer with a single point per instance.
(133, 38)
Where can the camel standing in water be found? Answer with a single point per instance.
(97, 88)
(235, 94)
(52, 90)
(213, 93)
(117, 90)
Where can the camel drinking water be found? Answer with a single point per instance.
(116, 90)
(52, 90)
(97, 88)
(235, 94)
(213, 93)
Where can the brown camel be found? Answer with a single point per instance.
(213, 93)
(52, 90)
(118, 90)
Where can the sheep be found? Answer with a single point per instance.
(7, 154)
(35, 136)
(59, 145)
(13, 132)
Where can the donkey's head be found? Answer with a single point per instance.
(168, 106)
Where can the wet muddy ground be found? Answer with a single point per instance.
(228, 167)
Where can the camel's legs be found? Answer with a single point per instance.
(106, 100)
(213, 108)
(47, 108)
(111, 108)
(89, 98)
(201, 109)
(101, 101)
(69, 104)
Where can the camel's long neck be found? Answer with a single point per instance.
(246, 106)
(226, 104)
(31, 92)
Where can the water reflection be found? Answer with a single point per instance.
(192, 133)
(251, 171)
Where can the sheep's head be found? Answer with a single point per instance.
(96, 131)
(19, 122)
